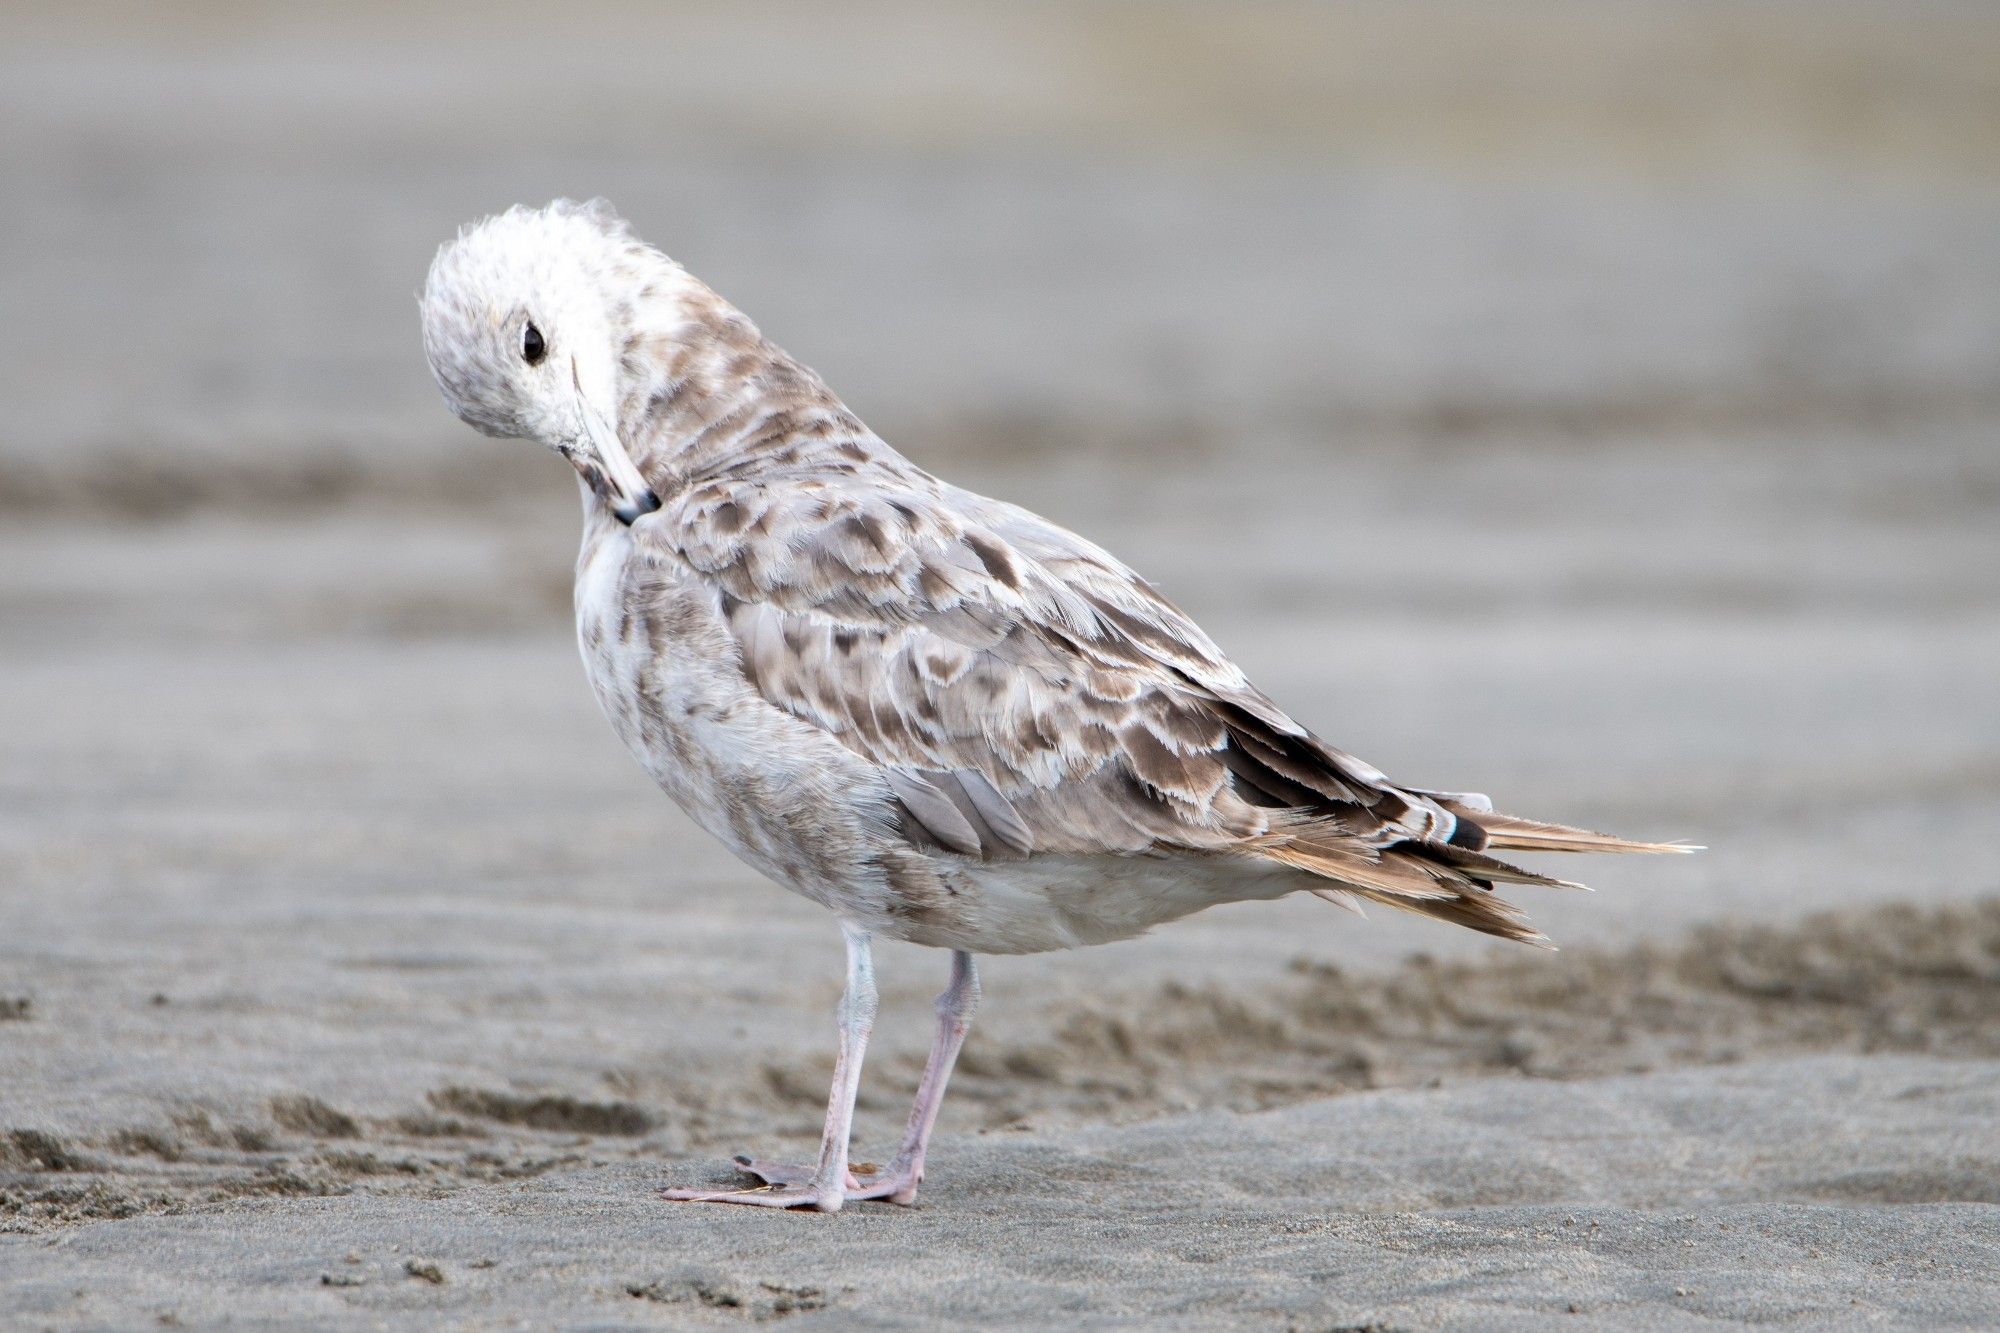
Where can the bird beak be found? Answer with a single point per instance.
(614, 474)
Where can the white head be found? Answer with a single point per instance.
(523, 317)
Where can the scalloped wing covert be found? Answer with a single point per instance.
(1021, 690)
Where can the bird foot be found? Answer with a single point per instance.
(762, 1196)
(791, 1185)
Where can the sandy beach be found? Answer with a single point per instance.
(351, 975)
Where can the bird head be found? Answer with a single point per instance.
(522, 318)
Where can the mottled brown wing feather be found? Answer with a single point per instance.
(1021, 689)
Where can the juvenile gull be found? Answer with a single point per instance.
(942, 717)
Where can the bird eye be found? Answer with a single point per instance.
(533, 346)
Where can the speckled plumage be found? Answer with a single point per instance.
(938, 715)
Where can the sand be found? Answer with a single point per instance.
(1618, 441)
(1834, 1191)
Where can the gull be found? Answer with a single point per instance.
(942, 717)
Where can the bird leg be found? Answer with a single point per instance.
(955, 1008)
(827, 1187)
(898, 1184)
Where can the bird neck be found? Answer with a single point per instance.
(706, 392)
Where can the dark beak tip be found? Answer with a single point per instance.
(644, 503)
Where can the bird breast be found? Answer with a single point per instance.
(784, 796)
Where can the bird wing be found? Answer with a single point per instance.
(1020, 689)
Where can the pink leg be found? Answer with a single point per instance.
(954, 1010)
(898, 1184)
(798, 1185)
(828, 1187)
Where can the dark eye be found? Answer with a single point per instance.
(533, 347)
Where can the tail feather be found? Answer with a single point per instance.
(1408, 879)
(1445, 880)
(1491, 869)
(1341, 898)
(1514, 834)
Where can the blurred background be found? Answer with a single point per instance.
(1590, 403)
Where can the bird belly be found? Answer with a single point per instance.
(1048, 902)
